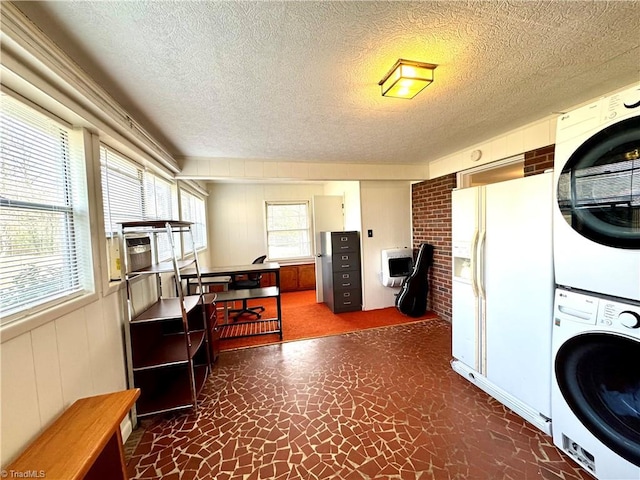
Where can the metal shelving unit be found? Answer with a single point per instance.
(167, 341)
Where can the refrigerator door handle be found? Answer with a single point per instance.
(474, 263)
(480, 269)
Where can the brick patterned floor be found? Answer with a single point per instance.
(376, 404)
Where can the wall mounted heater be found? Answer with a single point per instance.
(397, 264)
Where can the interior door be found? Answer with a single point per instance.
(328, 216)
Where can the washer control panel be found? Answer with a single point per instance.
(589, 309)
(620, 104)
(598, 114)
(618, 315)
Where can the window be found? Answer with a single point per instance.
(288, 230)
(45, 245)
(130, 193)
(193, 211)
(494, 172)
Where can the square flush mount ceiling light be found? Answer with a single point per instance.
(407, 78)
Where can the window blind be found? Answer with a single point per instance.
(193, 210)
(131, 193)
(122, 192)
(159, 205)
(44, 242)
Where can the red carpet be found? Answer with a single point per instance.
(303, 318)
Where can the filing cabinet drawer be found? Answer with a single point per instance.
(346, 280)
(346, 261)
(347, 300)
(345, 242)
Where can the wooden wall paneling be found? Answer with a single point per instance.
(297, 277)
(289, 278)
(307, 277)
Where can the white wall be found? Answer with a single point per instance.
(386, 210)
(535, 135)
(236, 216)
(46, 369)
(252, 170)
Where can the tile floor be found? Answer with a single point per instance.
(376, 404)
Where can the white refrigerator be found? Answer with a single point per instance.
(502, 289)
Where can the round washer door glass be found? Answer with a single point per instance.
(598, 376)
(599, 186)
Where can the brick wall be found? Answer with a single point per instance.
(431, 210)
(538, 160)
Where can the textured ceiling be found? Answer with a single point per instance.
(298, 81)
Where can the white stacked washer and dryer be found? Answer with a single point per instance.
(595, 396)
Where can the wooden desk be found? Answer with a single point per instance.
(240, 328)
(84, 442)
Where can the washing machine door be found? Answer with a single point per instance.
(599, 186)
(598, 376)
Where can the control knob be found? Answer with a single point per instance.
(629, 319)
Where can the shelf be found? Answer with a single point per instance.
(167, 309)
(174, 392)
(162, 267)
(249, 329)
(247, 293)
(171, 351)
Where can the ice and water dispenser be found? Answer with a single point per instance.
(462, 261)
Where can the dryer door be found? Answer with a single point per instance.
(599, 378)
(599, 186)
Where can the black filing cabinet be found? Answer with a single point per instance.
(341, 282)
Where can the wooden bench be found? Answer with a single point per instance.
(83, 443)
